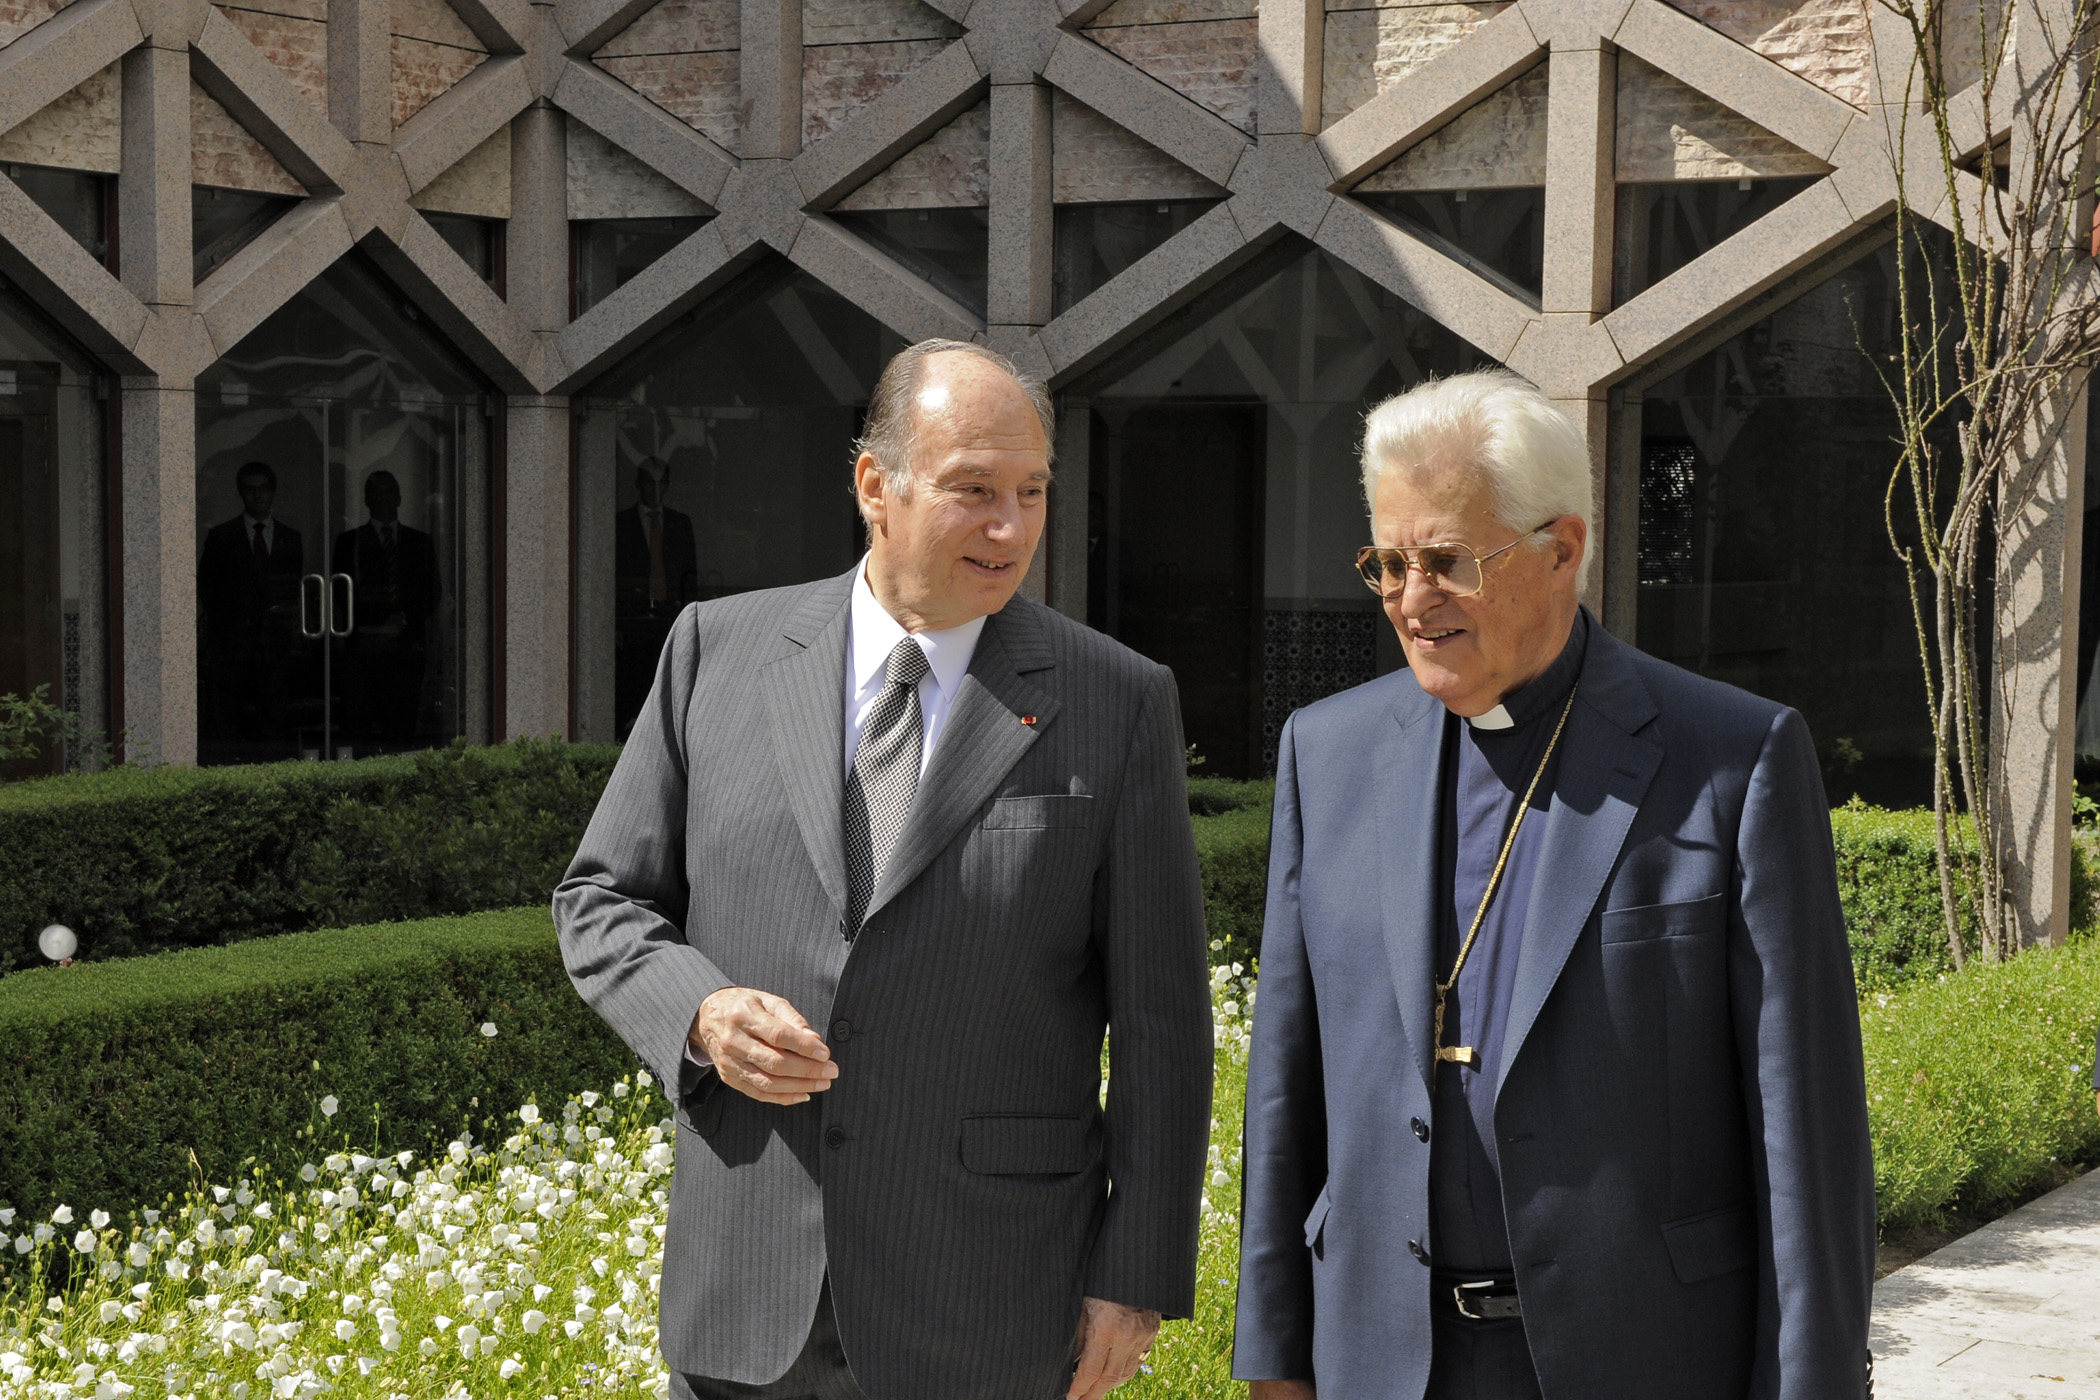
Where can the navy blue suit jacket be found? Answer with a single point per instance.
(1681, 1115)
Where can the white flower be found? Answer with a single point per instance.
(641, 1077)
(7, 1217)
(139, 1255)
(110, 1311)
(427, 1347)
(441, 1322)
(488, 1028)
(469, 1339)
(85, 1241)
(345, 1329)
(307, 1172)
(510, 1368)
(329, 1105)
(572, 1328)
(620, 1090)
(98, 1218)
(530, 1113)
(263, 1211)
(489, 1345)
(62, 1216)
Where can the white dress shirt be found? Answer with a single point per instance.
(871, 634)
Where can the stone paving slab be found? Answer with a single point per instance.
(2010, 1312)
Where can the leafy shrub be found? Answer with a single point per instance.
(144, 860)
(1889, 882)
(1979, 1085)
(1232, 842)
(118, 1080)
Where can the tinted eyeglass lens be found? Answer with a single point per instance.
(1453, 571)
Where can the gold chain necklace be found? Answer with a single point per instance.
(1466, 1054)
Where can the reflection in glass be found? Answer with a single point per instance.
(342, 456)
(479, 242)
(1664, 225)
(1763, 553)
(1225, 509)
(947, 247)
(610, 252)
(53, 560)
(76, 200)
(222, 222)
(716, 460)
(1095, 242)
(1500, 234)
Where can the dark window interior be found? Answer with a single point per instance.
(1663, 226)
(1095, 242)
(222, 222)
(947, 247)
(1499, 233)
(610, 252)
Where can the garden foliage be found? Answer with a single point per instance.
(1979, 1084)
(121, 1080)
(144, 860)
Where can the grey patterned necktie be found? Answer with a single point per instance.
(885, 775)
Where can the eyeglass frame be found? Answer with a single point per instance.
(1405, 551)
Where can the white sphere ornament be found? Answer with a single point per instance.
(57, 942)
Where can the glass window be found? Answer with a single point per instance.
(53, 559)
(222, 222)
(1500, 234)
(716, 460)
(1763, 552)
(947, 247)
(342, 484)
(479, 243)
(609, 252)
(1664, 225)
(1095, 242)
(78, 201)
(1224, 501)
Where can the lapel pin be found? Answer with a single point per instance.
(1028, 720)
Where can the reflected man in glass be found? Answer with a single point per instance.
(394, 570)
(655, 573)
(248, 603)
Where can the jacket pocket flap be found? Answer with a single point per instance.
(1013, 1144)
(1709, 1245)
(1317, 1220)
(1663, 920)
(1054, 809)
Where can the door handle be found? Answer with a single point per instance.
(349, 606)
(307, 630)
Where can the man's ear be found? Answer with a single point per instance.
(869, 490)
(1571, 536)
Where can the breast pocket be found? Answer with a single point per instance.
(1648, 922)
(1050, 811)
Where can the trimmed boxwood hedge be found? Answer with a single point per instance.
(120, 1080)
(143, 860)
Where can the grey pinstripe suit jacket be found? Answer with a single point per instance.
(955, 1178)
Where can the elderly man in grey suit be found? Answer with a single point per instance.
(1556, 1084)
(883, 858)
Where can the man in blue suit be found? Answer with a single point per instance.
(1556, 1085)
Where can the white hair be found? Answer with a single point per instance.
(1497, 425)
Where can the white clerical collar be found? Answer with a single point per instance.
(875, 633)
(1497, 718)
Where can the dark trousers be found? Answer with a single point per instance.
(1479, 1361)
(819, 1373)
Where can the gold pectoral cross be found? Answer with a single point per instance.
(1457, 1054)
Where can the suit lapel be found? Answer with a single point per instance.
(981, 741)
(805, 698)
(1597, 789)
(1409, 767)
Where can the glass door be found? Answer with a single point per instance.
(342, 590)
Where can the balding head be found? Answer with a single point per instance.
(925, 379)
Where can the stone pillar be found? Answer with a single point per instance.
(361, 72)
(159, 419)
(1576, 287)
(1289, 37)
(1020, 267)
(2035, 713)
(770, 80)
(535, 612)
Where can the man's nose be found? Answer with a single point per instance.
(1419, 591)
(1005, 522)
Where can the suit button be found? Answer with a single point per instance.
(1421, 1129)
(834, 1137)
(841, 1031)
(1414, 1247)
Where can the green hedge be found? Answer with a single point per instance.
(1979, 1084)
(118, 1080)
(1888, 879)
(1232, 843)
(140, 861)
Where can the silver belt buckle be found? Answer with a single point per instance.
(1494, 1309)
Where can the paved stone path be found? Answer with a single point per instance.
(2010, 1312)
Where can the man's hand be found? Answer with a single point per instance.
(1112, 1342)
(762, 1047)
(1280, 1390)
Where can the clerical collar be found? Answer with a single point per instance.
(1544, 690)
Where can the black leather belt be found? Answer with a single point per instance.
(1476, 1298)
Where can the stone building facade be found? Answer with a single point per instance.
(390, 370)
